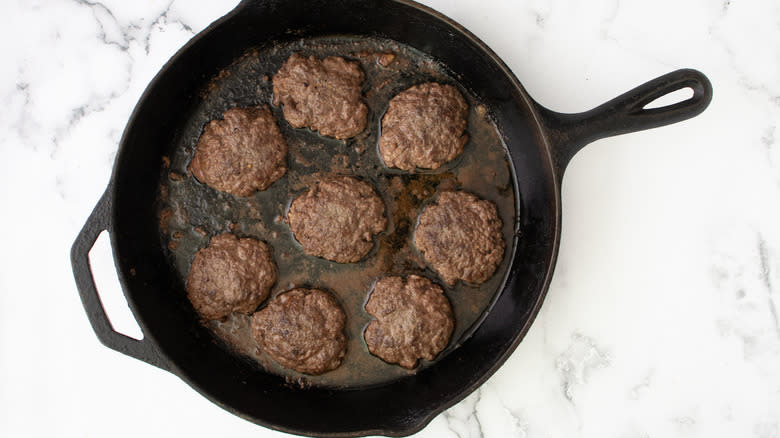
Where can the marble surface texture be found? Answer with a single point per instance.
(662, 317)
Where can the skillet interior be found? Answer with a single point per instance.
(161, 117)
(192, 212)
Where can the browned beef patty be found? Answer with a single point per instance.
(413, 320)
(242, 153)
(322, 95)
(337, 219)
(230, 275)
(424, 126)
(460, 236)
(302, 329)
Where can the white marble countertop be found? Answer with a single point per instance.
(662, 318)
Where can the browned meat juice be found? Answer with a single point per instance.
(191, 212)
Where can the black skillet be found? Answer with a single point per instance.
(540, 143)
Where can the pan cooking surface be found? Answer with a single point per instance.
(190, 212)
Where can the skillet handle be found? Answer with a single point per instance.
(99, 221)
(626, 113)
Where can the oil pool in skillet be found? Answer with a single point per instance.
(191, 212)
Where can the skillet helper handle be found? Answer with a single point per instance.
(626, 113)
(99, 221)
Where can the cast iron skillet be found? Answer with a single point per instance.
(540, 143)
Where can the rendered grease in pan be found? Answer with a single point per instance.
(191, 212)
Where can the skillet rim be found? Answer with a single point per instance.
(542, 141)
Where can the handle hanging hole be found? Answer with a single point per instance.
(670, 99)
(104, 273)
